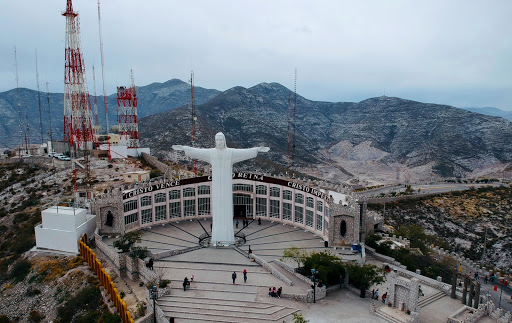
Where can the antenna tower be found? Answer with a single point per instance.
(78, 131)
(49, 115)
(39, 102)
(27, 139)
(107, 129)
(294, 116)
(127, 114)
(19, 104)
(194, 118)
(96, 120)
(289, 136)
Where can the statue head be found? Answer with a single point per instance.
(220, 140)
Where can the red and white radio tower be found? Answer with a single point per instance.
(78, 131)
(127, 115)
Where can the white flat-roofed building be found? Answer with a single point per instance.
(62, 226)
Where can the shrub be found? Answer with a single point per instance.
(35, 316)
(329, 267)
(164, 283)
(20, 270)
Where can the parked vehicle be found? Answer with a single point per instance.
(62, 157)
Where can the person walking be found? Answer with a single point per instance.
(377, 294)
(233, 276)
(245, 276)
(185, 283)
(236, 223)
(259, 221)
(279, 291)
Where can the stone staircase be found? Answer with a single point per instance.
(381, 312)
(220, 302)
(431, 299)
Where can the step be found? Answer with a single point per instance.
(248, 264)
(431, 299)
(387, 317)
(184, 317)
(205, 302)
(212, 267)
(213, 294)
(224, 310)
(221, 287)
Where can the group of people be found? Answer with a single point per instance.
(233, 276)
(244, 221)
(375, 295)
(186, 282)
(273, 292)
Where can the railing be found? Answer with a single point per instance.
(105, 279)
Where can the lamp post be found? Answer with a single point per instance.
(314, 279)
(154, 296)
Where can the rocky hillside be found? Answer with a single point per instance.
(461, 218)
(153, 98)
(349, 138)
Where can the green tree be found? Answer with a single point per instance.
(364, 276)
(296, 254)
(298, 318)
(329, 267)
(128, 240)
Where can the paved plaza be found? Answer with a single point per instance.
(212, 296)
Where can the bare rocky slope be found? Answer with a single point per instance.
(378, 132)
(461, 218)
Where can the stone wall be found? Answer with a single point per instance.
(132, 267)
(383, 258)
(403, 292)
(292, 270)
(271, 269)
(153, 161)
(146, 274)
(446, 288)
(174, 252)
(118, 261)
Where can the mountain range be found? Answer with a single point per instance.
(401, 138)
(153, 98)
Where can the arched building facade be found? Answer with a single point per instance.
(330, 215)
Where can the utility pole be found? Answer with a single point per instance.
(19, 104)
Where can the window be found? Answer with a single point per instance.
(130, 206)
(319, 222)
(326, 212)
(299, 214)
(160, 212)
(261, 206)
(311, 202)
(190, 207)
(145, 201)
(326, 225)
(287, 211)
(147, 216)
(274, 208)
(299, 198)
(261, 190)
(174, 194)
(203, 205)
(203, 190)
(175, 210)
(309, 218)
(287, 195)
(319, 206)
(189, 191)
(275, 191)
(242, 187)
(159, 197)
(130, 218)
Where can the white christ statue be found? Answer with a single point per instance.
(222, 159)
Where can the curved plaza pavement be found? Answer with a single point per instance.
(212, 297)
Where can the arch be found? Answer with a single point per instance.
(110, 219)
(343, 228)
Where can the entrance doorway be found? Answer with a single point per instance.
(242, 206)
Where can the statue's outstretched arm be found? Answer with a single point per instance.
(244, 154)
(195, 153)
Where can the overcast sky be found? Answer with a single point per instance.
(451, 52)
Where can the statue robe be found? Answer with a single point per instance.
(222, 160)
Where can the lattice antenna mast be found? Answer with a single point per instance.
(127, 114)
(39, 102)
(289, 136)
(96, 119)
(49, 115)
(19, 104)
(78, 131)
(27, 131)
(294, 116)
(107, 129)
(194, 118)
